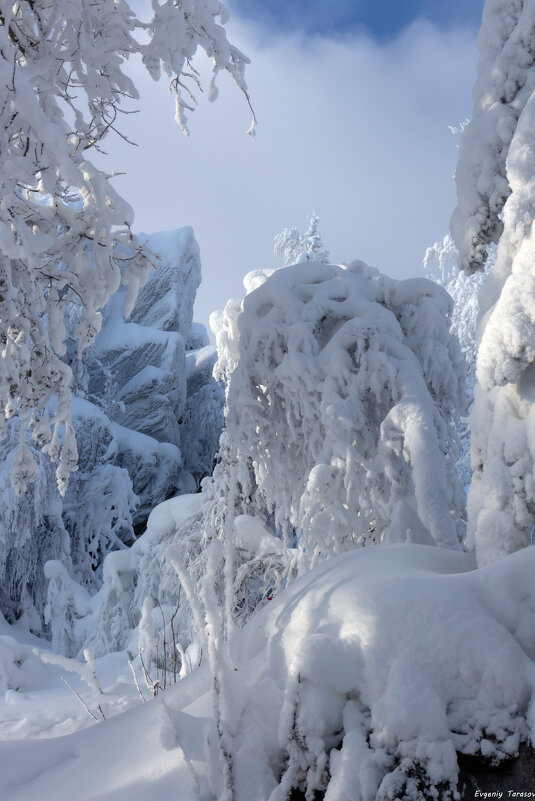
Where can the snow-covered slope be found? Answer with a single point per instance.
(362, 678)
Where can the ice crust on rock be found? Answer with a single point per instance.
(198, 337)
(145, 355)
(203, 419)
(149, 372)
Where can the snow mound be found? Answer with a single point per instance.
(363, 679)
(380, 665)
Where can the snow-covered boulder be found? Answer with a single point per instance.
(200, 367)
(198, 337)
(155, 468)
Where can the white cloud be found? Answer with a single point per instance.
(355, 129)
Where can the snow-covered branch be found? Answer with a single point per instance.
(65, 233)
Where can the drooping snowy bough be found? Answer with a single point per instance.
(342, 397)
(495, 181)
(62, 225)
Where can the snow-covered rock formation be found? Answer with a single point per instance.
(136, 372)
(136, 389)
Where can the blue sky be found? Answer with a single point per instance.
(381, 18)
(353, 123)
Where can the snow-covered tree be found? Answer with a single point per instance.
(496, 203)
(64, 231)
(342, 383)
(441, 265)
(294, 247)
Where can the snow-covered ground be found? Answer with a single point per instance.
(376, 664)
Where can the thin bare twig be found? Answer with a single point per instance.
(71, 688)
(152, 686)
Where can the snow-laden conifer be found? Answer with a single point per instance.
(342, 389)
(294, 247)
(495, 179)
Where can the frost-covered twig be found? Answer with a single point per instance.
(92, 714)
(132, 668)
(164, 646)
(175, 645)
(152, 686)
(182, 655)
(90, 673)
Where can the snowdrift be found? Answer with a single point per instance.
(363, 679)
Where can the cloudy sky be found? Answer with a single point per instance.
(354, 100)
